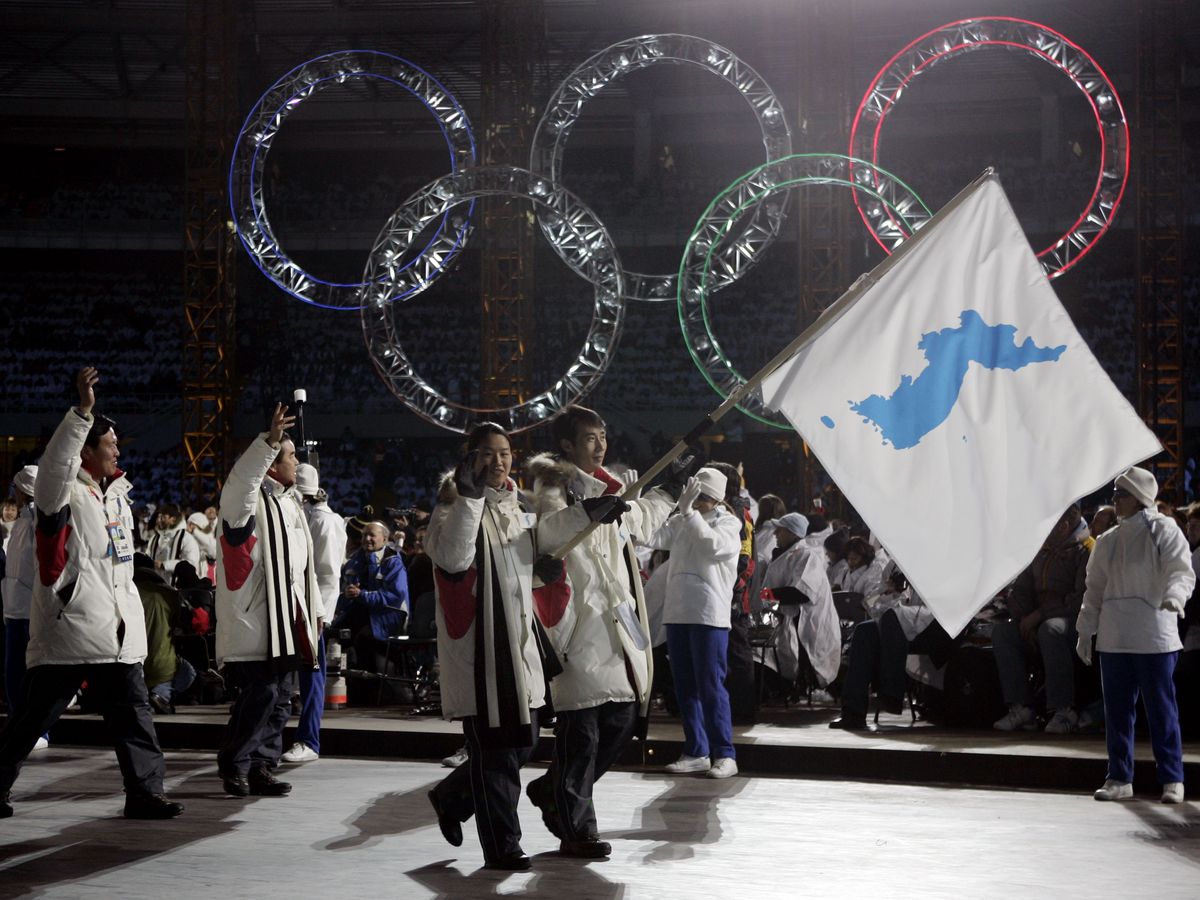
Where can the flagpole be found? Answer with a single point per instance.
(828, 316)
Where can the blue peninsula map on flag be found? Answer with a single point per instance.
(921, 404)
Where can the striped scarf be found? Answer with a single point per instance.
(291, 623)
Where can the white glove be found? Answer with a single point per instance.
(690, 494)
(1083, 649)
(1173, 604)
(628, 479)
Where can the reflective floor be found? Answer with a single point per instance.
(363, 828)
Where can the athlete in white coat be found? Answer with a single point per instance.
(1139, 577)
(86, 620)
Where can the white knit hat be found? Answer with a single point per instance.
(24, 480)
(199, 519)
(1141, 484)
(712, 483)
(307, 482)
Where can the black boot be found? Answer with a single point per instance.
(264, 784)
(151, 806)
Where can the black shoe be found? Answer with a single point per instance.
(263, 784)
(539, 793)
(451, 828)
(587, 848)
(235, 784)
(150, 806)
(161, 704)
(6, 809)
(850, 722)
(514, 862)
(891, 705)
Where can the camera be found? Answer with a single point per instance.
(401, 512)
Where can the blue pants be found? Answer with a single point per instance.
(1124, 676)
(698, 657)
(312, 695)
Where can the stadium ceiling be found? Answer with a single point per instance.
(109, 72)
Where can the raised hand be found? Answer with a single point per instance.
(690, 494)
(85, 381)
(280, 422)
(467, 479)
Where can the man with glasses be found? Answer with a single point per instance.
(1138, 579)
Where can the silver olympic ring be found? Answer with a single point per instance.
(266, 118)
(579, 234)
(896, 211)
(593, 75)
(956, 38)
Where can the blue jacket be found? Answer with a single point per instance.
(384, 591)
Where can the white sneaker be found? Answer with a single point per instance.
(723, 768)
(1064, 721)
(1117, 790)
(1173, 792)
(1018, 716)
(455, 759)
(687, 764)
(41, 744)
(300, 753)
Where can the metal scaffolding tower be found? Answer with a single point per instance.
(209, 244)
(823, 211)
(1160, 229)
(511, 45)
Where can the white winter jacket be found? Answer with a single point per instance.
(1132, 569)
(813, 625)
(174, 546)
(21, 568)
(703, 566)
(85, 607)
(328, 531)
(241, 589)
(475, 545)
(599, 627)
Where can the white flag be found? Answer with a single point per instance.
(957, 407)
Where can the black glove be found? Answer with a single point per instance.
(791, 595)
(606, 509)
(681, 469)
(548, 569)
(468, 483)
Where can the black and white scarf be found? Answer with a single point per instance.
(291, 624)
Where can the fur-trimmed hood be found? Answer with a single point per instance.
(551, 470)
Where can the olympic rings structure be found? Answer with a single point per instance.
(729, 238)
(610, 64)
(896, 211)
(254, 141)
(581, 236)
(957, 38)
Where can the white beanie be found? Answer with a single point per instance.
(307, 482)
(199, 519)
(712, 483)
(1141, 484)
(24, 480)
